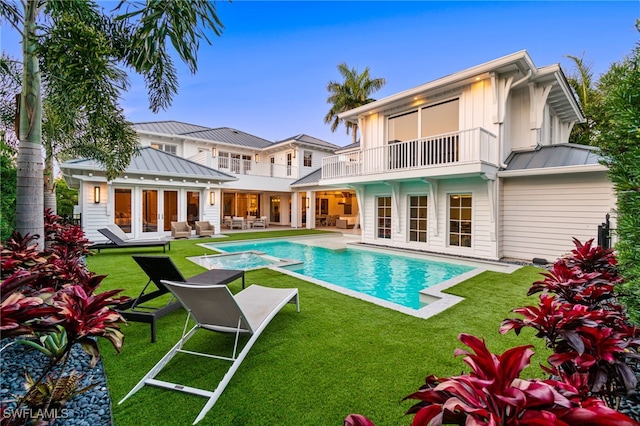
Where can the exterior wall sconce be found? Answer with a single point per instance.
(257, 157)
(212, 198)
(96, 194)
(307, 199)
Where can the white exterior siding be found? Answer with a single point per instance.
(438, 239)
(541, 214)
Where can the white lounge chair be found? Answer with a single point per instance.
(214, 308)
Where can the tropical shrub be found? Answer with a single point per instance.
(593, 342)
(48, 302)
(582, 322)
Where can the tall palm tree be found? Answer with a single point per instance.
(77, 47)
(353, 92)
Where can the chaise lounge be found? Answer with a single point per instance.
(214, 308)
(115, 240)
(160, 268)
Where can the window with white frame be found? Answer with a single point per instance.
(384, 217)
(307, 157)
(418, 218)
(171, 149)
(460, 214)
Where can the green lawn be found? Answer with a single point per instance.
(339, 355)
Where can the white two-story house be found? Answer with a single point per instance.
(473, 164)
(188, 172)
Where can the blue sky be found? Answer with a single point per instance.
(267, 74)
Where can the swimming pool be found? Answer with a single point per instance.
(389, 277)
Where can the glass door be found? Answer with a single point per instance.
(170, 209)
(149, 210)
(122, 208)
(274, 210)
(193, 207)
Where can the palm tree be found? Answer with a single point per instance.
(581, 81)
(353, 92)
(75, 47)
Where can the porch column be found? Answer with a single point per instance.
(295, 210)
(311, 209)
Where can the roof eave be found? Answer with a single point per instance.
(522, 58)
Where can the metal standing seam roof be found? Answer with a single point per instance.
(155, 162)
(313, 177)
(169, 127)
(304, 138)
(230, 136)
(560, 155)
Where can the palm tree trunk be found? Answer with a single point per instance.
(354, 134)
(29, 190)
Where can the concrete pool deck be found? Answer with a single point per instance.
(434, 297)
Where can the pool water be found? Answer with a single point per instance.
(244, 261)
(390, 277)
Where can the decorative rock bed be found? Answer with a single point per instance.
(91, 408)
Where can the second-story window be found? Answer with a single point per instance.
(431, 120)
(289, 162)
(171, 149)
(307, 158)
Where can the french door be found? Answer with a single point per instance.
(159, 209)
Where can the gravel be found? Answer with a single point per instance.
(91, 408)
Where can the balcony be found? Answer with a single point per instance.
(466, 147)
(239, 166)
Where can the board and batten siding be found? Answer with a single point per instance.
(541, 214)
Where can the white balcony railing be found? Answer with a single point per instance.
(466, 146)
(238, 166)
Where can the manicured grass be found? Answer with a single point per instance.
(339, 355)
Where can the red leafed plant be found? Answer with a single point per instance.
(48, 302)
(581, 321)
(493, 393)
(593, 342)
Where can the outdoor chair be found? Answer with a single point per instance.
(160, 268)
(180, 230)
(205, 229)
(226, 221)
(214, 308)
(238, 222)
(116, 242)
(259, 223)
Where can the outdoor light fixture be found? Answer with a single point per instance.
(212, 198)
(307, 201)
(96, 194)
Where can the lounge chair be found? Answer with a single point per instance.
(205, 229)
(214, 308)
(160, 268)
(180, 230)
(116, 242)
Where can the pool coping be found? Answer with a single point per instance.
(437, 301)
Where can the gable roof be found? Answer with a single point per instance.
(519, 63)
(309, 140)
(548, 156)
(154, 162)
